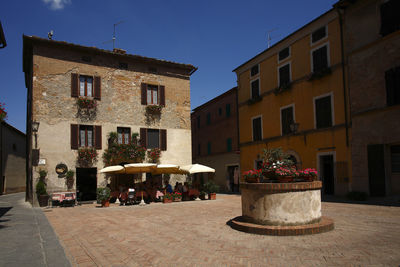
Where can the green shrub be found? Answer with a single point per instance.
(211, 187)
(70, 174)
(357, 196)
(42, 173)
(103, 194)
(41, 188)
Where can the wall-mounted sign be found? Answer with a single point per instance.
(61, 169)
(42, 162)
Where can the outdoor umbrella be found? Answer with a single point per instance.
(168, 168)
(139, 167)
(196, 168)
(113, 169)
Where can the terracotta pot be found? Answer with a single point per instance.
(166, 200)
(285, 179)
(252, 179)
(308, 178)
(177, 199)
(212, 196)
(105, 203)
(202, 197)
(43, 200)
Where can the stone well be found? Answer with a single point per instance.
(282, 209)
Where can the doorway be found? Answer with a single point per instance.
(86, 184)
(327, 174)
(233, 178)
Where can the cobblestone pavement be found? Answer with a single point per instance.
(195, 234)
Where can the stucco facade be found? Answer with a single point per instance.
(375, 121)
(49, 66)
(215, 138)
(325, 148)
(12, 159)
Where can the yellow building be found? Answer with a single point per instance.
(292, 95)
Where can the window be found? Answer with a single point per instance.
(208, 118)
(209, 148)
(318, 34)
(323, 112)
(390, 19)
(255, 89)
(395, 158)
(198, 122)
(198, 149)
(254, 70)
(229, 144)
(85, 86)
(153, 138)
(220, 111)
(86, 137)
(152, 95)
(124, 135)
(287, 118)
(320, 59)
(257, 134)
(284, 53)
(392, 79)
(228, 110)
(284, 75)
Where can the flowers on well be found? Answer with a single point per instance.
(252, 174)
(3, 113)
(309, 172)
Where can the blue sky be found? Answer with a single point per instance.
(215, 36)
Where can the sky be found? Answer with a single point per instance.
(214, 36)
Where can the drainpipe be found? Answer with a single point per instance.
(339, 10)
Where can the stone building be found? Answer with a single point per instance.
(118, 90)
(372, 48)
(215, 137)
(292, 95)
(12, 159)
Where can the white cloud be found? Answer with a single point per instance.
(57, 4)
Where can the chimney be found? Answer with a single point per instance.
(119, 51)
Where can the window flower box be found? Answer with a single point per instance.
(3, 113)
(87, 156)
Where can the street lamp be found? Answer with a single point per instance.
(35, 128)
(294, 126)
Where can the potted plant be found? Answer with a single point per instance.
(87, 156)
(154, 155)
(42, 173)
(69, 179)
(286, 174)
(211, 188)
(167, 198)
(252, 176)
(176, 196)
(3, 113)
(308, 174)
(103, 196)
(202, 195)
(135, 138)
(41, 193)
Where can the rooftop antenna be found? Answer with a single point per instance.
(269, 36)
(50, 34)
(114, 37)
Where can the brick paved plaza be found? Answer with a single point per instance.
(195, 234)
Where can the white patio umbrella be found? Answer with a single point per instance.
(197, 168)
(113, 169)
(139, 167)
(168, 168)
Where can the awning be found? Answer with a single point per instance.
(113, 169)
(168, 168)
(139, 167)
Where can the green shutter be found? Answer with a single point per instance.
(209, 148)
(208, 118)
(228, 110)
(229, 144)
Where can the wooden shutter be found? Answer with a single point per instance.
(144, 94)
(74, 85)
(97, 87)
(287, 119)
(392, 79)
(97, 137)
(74, 136)
(323, 111)
(376, 170)
(162, 95)
(284, 75)
(163, 138)
(143, 134)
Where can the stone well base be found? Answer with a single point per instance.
(324, 225)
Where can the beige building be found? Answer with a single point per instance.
(122, 87)
(372, 49)
(12, 159)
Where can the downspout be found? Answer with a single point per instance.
(343, 76)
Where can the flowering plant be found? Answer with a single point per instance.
(3, 113)
(310, 172)
(168, 196)
(252, 174)
(176, 195)
(153, 109)
(286, 171)
(154, 154)
(118, 153)
(87, 156)
(86, 103)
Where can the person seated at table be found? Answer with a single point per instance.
(179, 187)
(168, 188)
(123, 198)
